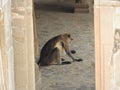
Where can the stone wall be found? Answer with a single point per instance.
(6, 47)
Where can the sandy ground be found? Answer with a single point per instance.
(53, 20)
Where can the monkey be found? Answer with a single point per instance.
(52, 50)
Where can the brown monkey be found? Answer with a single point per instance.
(52, 50)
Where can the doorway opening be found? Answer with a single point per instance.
(55, 17)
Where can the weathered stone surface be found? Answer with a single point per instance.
(105, 31)
(6, 45)
(19, 35)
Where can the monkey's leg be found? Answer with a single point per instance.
(56, 55)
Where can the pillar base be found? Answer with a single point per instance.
(81, 8)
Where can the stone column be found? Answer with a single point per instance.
(23, 41)
(6, 47)
(81, 6)
(107, 44)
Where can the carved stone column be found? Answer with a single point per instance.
(107, 44)
(81, 6)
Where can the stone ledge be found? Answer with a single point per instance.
(81, 8)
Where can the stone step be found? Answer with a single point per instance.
(81, 10)
(81, 6)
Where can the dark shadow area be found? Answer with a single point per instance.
(73, 51)
(55, 7)
(69, 62)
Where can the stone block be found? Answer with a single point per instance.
(81, 8)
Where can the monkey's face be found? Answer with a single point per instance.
(68, 37)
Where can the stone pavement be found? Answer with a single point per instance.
(78, 75)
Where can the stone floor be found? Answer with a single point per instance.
(52, 21)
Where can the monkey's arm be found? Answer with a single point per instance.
(67, 50)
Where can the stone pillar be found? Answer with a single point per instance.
(115, 61)
(23, 41)
(107, 44)
(6, 47)
(81, 6)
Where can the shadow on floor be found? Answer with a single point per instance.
(55, 7)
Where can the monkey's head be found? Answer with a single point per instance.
(67, 36)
